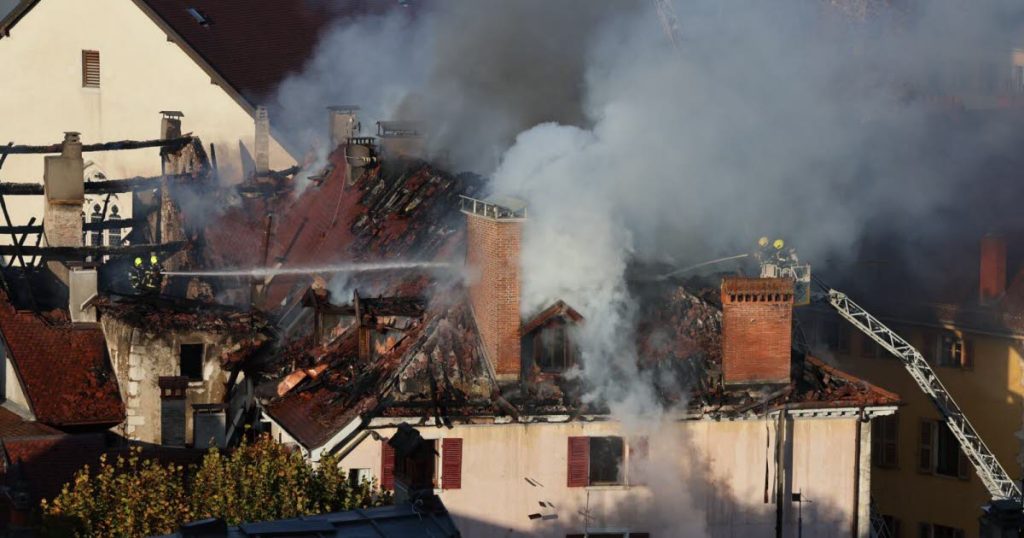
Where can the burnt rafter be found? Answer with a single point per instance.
(168, 143)
(106, 186)
(87, 226)
(77, 253)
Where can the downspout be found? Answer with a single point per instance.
(855, 521)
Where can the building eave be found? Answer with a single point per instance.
(14, 16)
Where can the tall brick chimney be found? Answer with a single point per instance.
(757, 325)
(494, 230)
(992, 283)
(64, 189)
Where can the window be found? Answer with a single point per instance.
(953, 351)
(596, 461)
(610, 535)
(90, 69)
(885, 441)
(191, 356)
(939, 451)
(552, 348)
(356, 477)
(931, 530)
(419, 469)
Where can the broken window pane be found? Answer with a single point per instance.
(192, 361)
(947, 458)
(605, 461)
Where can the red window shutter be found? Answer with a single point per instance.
(579, 462)
(387, 466)
(451, 463)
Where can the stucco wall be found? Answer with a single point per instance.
(14, 395)
(705, 478)
(142, 73)
(991, 394)
(139, 359)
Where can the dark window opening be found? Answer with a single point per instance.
(940, 451)
(552, 348)
(606, 461)
(192, 361)
(885, 441)
(835, 335)
(929, 530)
(890, 527)
(950, 350)
(419, 469)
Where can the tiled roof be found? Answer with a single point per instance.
(46, 463)
(64, 370)
(12, 425)
(255, 44)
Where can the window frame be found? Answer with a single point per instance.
(885, 436)
(620, 465)
(91, 62)
(934, 435)
(540, 355)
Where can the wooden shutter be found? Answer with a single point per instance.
(579, 462)
(639, 450)
(890, 446)
(90, 69)
(967, 357)
(387, 466)
(451, 463)
(925, 447)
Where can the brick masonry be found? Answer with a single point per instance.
(493, 253)
(992, 284)
(757, 329)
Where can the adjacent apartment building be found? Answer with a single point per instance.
(922, 483)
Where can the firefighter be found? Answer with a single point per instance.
(137, 275)
(154, 274)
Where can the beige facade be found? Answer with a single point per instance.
(699, 478)
(142, 72)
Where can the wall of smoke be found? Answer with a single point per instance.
(792, 119)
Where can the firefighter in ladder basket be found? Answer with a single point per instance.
(146, 278)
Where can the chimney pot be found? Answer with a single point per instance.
(992, 284)
(757, 321)
(494, 231)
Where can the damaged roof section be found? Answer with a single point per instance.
(64, 369)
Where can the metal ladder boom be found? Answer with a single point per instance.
(992, 474)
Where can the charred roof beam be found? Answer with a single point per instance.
(170, 143)
(79, 253)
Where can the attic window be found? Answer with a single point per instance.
(552, 348)
(199, 17)
(90, 69)
(191, 356)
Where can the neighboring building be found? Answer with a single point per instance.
(922, 483)
(109, 68)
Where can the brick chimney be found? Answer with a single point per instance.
(992, 283)
(494, 230)
(64, 189)
(757, 325)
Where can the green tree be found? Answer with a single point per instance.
(254, 482)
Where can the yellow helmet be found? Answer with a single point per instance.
(763, 242)
(778, 244)
(153, 260)
(138, 262)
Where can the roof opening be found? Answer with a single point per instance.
(199, 16)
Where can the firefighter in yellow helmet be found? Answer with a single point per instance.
(137, 275)
(146, 277)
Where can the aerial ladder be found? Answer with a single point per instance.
(1003, 517)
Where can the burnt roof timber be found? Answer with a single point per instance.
(87, 226)
(102, 146)
(94, 187)
(75, 253)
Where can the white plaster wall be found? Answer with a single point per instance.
(141, 72)
(14, 394)
(714, 485)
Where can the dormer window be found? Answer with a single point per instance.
(548, 339)
(552, 349)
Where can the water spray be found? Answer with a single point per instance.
(258, 272)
